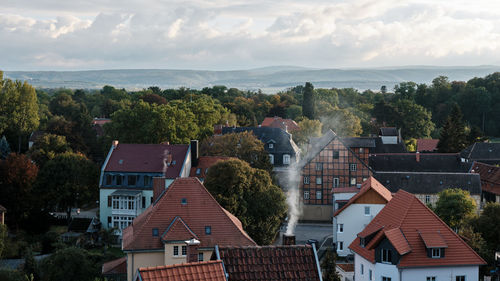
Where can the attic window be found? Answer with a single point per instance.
(173, 162)
(198, 171)
(436, 253)
(184, 201)
(271, 145)
(155, 232)
(120, 161)
(208, 230)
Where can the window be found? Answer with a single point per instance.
(367, 210)
(208, 230)
(271, 158)
(155, 231)
(335, 154)
(319, 180)
(318, 194)
(386, 255)
(271, 145)
(109, 221)
(362, 241)
(436, 253)
(200, 256)
(362, 269)
(176, 250)
(353, 181)
(184, 250)
(306, 195)
(319, 166)
(118, 179)
(132, 180)
(340, 245)
(184, 201)
(427, 199)
(306, 180)
(151, 200)
(361, 150)
(143, 202)
(147, 180)
(386, 278)
(340, 228)
(335, 182)
(370, 274)
(286, 159)
(352, 167)
(198, 171)
(121, 222)
(123, 203)
(458, 278)
(109, 179)
(110, 201)
(431, 278)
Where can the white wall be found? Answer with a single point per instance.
(354, 219)
(447, 273)
(389, 139)
(358, 261)
(105, 211)
(387, 270)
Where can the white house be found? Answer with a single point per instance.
(352, 218)
(407, 241)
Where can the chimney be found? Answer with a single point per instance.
(288, 240)
(158, 187)
(114, 143)
(194, 153)
(417, 156)
(192, 250)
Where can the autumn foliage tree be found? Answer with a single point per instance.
(250, 195)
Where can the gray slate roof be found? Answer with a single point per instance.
(388, 131)
(428, 162)
(429, 183)
(488, 153)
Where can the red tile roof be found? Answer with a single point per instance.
(370, 184)
(205, 162)
(408, 214)
(489, 175)
(398, 240)
(270, 263)
(200, 210)
(278, 122)
(346, 267)
(432, 239)
(178, 231)
(147, 158)
(207, 271)
(118, 266)
(427, 144)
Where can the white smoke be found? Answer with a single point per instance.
(166, 161)
(292, 198)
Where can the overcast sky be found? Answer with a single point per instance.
(237, 34)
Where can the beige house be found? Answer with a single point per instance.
(183, 224)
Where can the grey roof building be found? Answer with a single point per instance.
(419, 162)
(484, 152)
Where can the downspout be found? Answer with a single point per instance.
(400, 274)
(106, 163)
(317, 261)
(334, 224)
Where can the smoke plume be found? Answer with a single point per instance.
(292, 198)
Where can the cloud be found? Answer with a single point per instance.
(223, 34)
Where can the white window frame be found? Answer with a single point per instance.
(271, 145)
(340, 245)
(461, 278)
(318, 192)
(340, 228)
(286, 159)
(336, 182)
(385, 255)
(306, 195)
(121, 222)
(385, 278)
(307, 180)
(319, 167)
(319, 180)
(431, 278)
(200, 257)
(367, 208)
(353, 181)
(435, 253)
(124, 203)
(271, 158)
(427, 199)
(183, 250)
(353, 167)
(175, 248)
(362, 269)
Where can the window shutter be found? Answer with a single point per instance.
(109, 201)
(442, 252)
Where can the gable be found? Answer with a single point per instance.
(370, 197)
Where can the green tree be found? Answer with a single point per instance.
(343, 122)
(413, 119)
(69, 180)
(293, 112)
(329, 266)
(30, 267)
(11, 275)
(406, 90)
(69, 264)
(250, 195)
(3, 238)
(453, 137)
(17, 174)
(454, 206)
(308, 129)
(47, 147)
(4, 148)
(488, 223)
(308, 101)
(244, 146)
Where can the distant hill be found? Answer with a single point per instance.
(268, 79)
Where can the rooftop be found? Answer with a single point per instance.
(485, 152)
(490, 176)
(418, 162)
(195, 271)
(402, 221)
(278, 122)
(181, 213)
(427, 145)
(118, 266)
(282, 140)
(205, 162)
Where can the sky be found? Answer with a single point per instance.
(236, 34)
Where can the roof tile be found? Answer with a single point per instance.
(207, 271)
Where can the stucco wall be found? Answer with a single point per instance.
(105, 211)
(136, 260)
(441, 273)
(354, 220)
(358, 276)
(317, 213)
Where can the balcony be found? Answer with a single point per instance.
(126, 212)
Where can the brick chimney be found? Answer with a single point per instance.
(417, 156)
(192, 250)
(114, 143)
(158, 187)
(288, 240)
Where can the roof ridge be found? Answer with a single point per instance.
(407, 208)
(188, 264)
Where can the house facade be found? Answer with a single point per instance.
(126, 181)
(490, 181)
(182, 211)
(407, 241)
(353, 217)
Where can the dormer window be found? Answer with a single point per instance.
(436, 253)
(286, 159)
(198, 171)
(386, 256)
(271, 145)
(155, 232)
(362, 242)
(184, 201)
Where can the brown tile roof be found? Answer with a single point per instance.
(100, 121)
(147, 158)
(118, 266)
(206, 270)
(370, 184)
(178, 231)
(489, 175)
(270, 263)
(205, 162)
(398, 240)
(200, 210)
(278, 122)
(427, 144)
(408, 214)
(432, 239)
(346, 267)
